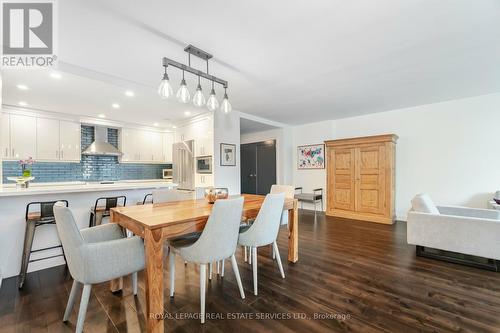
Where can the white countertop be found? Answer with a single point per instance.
(9, 190)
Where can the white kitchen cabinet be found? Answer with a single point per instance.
(22, 136)
(5, 135)
(47, 139)
(204, 146)
(168, 141)
(146, 148)
(157, 146)
(130, 145)
(204, 180)
(70, 141)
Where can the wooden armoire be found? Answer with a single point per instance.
(360, 178)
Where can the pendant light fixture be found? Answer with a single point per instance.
(212, 103)
(165, 89)
(198, 98)
(226, 106)
(183, 92)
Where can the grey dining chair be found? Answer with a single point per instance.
(165, 195)
(264, 231)
(95, 255)
(217, 242)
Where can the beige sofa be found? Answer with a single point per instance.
(462, 230)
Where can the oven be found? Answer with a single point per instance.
(204, 164)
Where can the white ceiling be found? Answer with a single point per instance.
(286, 60)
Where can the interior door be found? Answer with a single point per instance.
(266, 166)
(248, 156)
(258, 167)
(343, 184)
(370, 179)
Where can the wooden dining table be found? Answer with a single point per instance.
(156, 223)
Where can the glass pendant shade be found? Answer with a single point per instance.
(198, 98)
(212, 103)
(165, 89)
(226, 106)
(183, 93)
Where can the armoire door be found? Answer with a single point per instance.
(342, 179)
(370, 179)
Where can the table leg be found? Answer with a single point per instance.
(293, 236)
(153, 242)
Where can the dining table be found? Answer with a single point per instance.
(156, 223)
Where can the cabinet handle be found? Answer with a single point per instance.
(57, 153)
(13, 152)
(62, 154)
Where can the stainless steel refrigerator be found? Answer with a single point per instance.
(183, 164)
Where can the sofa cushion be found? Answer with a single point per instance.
(422, 203)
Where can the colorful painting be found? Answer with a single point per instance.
(311, 156)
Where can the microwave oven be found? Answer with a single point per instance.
(204, 164)
(167, 173)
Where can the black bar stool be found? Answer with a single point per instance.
(104, 211)
(36, 219)
(148, 198)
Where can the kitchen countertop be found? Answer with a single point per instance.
(9, 190)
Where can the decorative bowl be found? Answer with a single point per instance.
(213, 194)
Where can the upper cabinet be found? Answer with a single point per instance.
(22, 136)
(44, 139)
(5, 135)
(58, 140)
(168, 141)
(201, 131)
(70, 141)
(142, 146)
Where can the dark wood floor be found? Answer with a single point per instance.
(357, 276)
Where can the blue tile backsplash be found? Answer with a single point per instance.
(90, 168)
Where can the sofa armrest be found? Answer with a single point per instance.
(470, 212)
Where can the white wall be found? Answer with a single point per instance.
(227, 130)
(445, 149)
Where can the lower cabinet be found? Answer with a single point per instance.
(204, 180)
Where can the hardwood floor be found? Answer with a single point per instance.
(357, 276)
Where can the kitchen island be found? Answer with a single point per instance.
(81, 197)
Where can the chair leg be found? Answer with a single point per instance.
(222, 268)
(278, 259)
(251, 255)
(134, 282)
(83, 308)
(254, 263)
(28, 243)
(172, 272)
(236, 271)
(91, 220)
(71, 300)
(210, 266)
(272, 250)
(246, 254)
(203, 277)
(218, 267)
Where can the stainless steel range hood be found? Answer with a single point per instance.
(101, 146)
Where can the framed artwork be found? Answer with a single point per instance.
(227, 154)
(311, 157)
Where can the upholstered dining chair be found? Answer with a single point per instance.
(165, 195)
(264, 231)
(95, 255)
(217, 242)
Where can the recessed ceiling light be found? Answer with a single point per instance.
(156, 124)
(187, 113)
(101, 115)
(22, 103)
(22, 87)
(129, 93)
(115, 106)
(55, 75)
(173, 126)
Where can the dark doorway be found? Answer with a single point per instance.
(258, 167)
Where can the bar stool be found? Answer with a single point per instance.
(44, 216)
(104, 211)
(148, 198)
